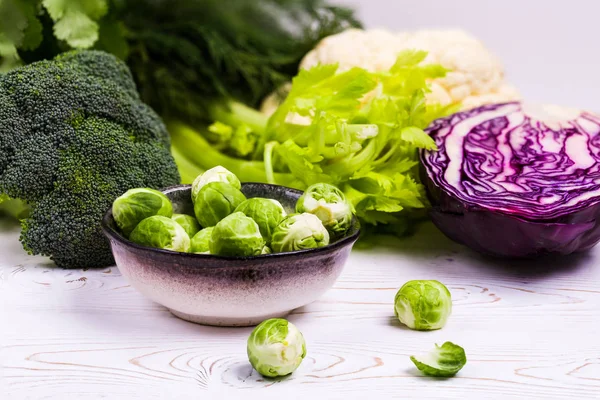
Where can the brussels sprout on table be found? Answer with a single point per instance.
(200, 242)
(216, 174)
(443, 361)
(299, 232)
(423, 305)
(161, 233)
(187, 222)
(276, 348)
(215, 201)
(267, 213)
(329, 204)
(135, 205)
(236, 235)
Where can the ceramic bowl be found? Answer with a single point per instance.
(230, 291)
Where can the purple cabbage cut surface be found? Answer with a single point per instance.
(514, 180)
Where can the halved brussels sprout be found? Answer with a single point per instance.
(329, 204)
(423, 305)
(443, 361)
(276, 348)
(161, 233)
(215, 201)
(200, 241)
(236, 235)
(299, 232)
(188, 223)
(267, 213)
(216, 174)
(135, 205)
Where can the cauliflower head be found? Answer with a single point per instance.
(476, 75)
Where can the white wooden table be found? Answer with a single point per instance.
(529, 330)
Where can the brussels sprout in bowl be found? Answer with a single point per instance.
(230, 290)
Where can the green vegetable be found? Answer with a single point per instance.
(266, 250)
(47, 27)
(215, 174)
(361, 132)
(74, 135)
(190, 54)
(443, 361)
(14, 208)
(215, 201)
(190, 143)
(299, 232)
(19, 27)
(201, 241)
(236, 235)
(423, 305)
(267, 213)
(186, 55)
(134, 205)
(188, 223)
(188, 170)
(161, 233)
(75, 21)
(329, 204)
(276, 348)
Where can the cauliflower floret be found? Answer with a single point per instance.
(374, 50)
(476, 75)
(502, 94)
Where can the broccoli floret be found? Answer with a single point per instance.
(74, 135)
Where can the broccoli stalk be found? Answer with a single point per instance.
(74, 135)
(14, 208)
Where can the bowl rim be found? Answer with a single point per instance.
(340, 243)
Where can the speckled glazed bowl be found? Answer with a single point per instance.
(230, 291)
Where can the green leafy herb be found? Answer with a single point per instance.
(19, 27)
(75, 21)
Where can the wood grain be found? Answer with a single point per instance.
(530, 330)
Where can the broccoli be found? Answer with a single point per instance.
(14, 208)
(74, 135)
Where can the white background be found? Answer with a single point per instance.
(550, 48)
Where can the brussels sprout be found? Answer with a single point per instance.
(200, 241)
(138, 204)
(266, 250)
(329, 204)
(423, 305)
(215, 201)
(188, 223)
(236, 235)
(216, 174)
(267, 213)
(161, 233)
(276, 348)
(299, 232)
(445, 360)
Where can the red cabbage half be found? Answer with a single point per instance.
(514, 180)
